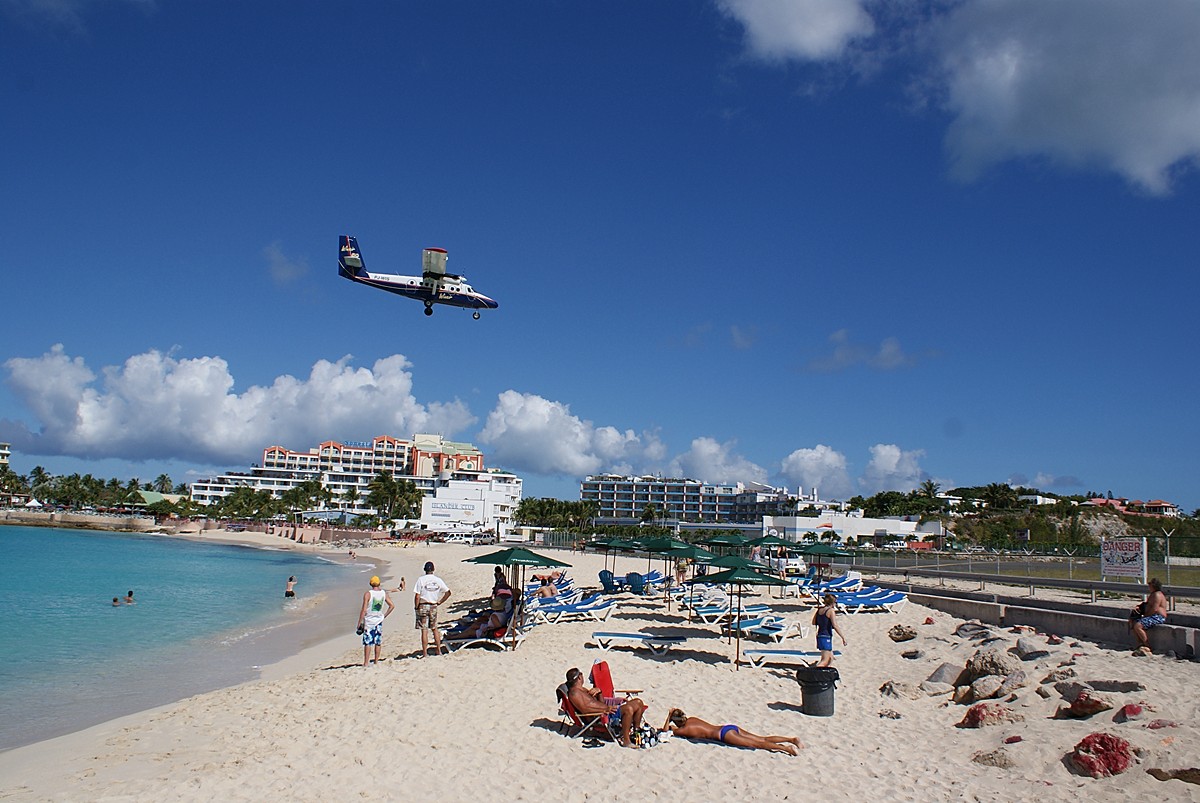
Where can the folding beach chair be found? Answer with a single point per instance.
(577, 725)
(601, 678)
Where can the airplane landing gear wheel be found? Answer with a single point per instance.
(475, 315)
(428, 309)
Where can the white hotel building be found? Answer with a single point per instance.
(459, 492)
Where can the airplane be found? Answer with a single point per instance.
(433, 286)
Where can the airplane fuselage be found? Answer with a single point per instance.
(449, 290)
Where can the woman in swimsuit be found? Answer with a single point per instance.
(825, 619)
(681, 724)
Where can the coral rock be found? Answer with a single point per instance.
(1013, 740)
(902, 633)
(986, 687)
(1189, 775)
(946, 673)
(1056, 675)
(983, 714)
(1011, 683)
(1159, 724)
(901, 691)
(1030, 650)
(1130, 712)
(1122, 686)
(1085, 705)
(1101, 755)
(992, 662)
(995, 758)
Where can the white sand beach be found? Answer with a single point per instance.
(479, 722)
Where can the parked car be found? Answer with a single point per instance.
(895, 545)
(460, 539)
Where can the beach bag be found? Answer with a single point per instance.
(645, 736)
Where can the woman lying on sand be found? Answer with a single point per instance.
(681, 724)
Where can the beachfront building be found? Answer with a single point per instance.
(441, 469)
(845, 526)
(626, 497)
(5, 453)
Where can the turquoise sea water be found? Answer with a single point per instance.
(207, 615)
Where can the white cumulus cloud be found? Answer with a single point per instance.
(1104, 83)
(821, 467)
(799, 29)
(527, 432)
(1111, 85)
(711, 461)
(155, 406)
(892, 469)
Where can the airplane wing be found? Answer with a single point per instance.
(433, 262)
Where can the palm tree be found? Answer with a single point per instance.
(383, 493)
(408, 500)
(999, 496)
(929, 489)
(162, 484)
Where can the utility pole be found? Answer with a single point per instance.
(1168, 557)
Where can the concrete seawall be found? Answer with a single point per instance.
(1048, 617)
(88, 521)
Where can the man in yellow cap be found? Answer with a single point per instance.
(370, 619)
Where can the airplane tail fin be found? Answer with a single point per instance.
(350, 261)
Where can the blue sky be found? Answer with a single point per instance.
(841, 243)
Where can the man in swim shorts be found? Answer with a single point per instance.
(429, 592)
(1153, 612)
(370, 619)
(589, 702)
(290, 591)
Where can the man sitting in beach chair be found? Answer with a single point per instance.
(628, 711)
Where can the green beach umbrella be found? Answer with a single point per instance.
(727, 539)
(820, 550)
(769, 540)
(824, 550)
(738, 562)
(696, 554)
(742, 577)
(518, 558)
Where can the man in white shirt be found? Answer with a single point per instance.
(429, 593)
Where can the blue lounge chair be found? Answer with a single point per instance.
(656, 644)
(760, 657)
(890, 603)
(597, 610)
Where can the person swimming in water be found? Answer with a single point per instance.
(681, 724)
(290, 591)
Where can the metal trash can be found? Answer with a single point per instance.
(817, 684)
